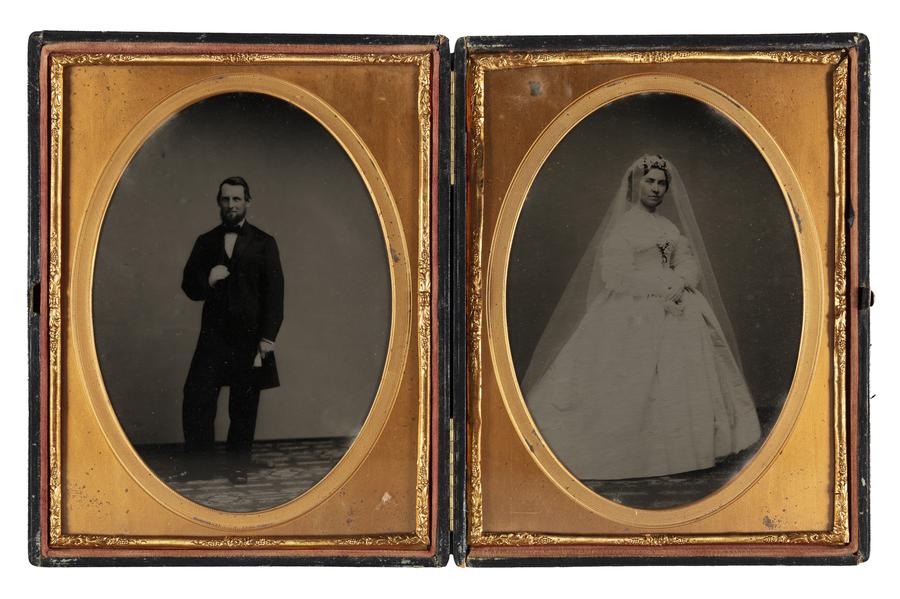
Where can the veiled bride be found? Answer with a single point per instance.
(637, 373)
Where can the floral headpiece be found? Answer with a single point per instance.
(648, 162)
(651, 161)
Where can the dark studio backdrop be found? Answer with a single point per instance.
(737, 201)
(307, 193)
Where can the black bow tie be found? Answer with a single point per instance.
(229, 228)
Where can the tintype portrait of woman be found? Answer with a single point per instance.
(643, 313)
(649, 374)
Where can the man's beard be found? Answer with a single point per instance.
(232, 219)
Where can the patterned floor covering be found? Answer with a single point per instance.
(281, 471)
(659, 492)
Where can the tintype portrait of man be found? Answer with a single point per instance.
(192, 293)
(235, 270)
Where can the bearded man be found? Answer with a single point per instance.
(235, 271)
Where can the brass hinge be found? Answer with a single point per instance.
(452, 128)
(452, 474)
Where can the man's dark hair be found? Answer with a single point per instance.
(234, 181)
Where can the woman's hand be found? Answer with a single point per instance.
(674, 287)
(674, 308)
(674, 294)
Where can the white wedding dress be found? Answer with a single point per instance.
(644, 386)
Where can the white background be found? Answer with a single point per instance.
(456, 20)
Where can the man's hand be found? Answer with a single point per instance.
(217, 274)
(266, 347)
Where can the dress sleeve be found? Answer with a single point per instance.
(684, 263)
(618, 271)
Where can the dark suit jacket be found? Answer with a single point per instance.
(246, 306)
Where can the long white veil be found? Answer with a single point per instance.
(587, 286)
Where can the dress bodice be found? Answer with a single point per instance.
(639, 251)
(650, 259)
(644, 230)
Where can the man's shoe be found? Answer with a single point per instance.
(238, 477)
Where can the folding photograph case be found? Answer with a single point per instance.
(356, 300)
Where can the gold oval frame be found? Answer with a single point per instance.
(814, 289)
(396, 254)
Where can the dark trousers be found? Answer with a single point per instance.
(217, 364)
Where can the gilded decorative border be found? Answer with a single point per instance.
(54, 292)
(476, 303)
(518, 61)
(424, 301)
(235, 542)
(241, 58)
(841, 530)
(479, 64)
(422, 534)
